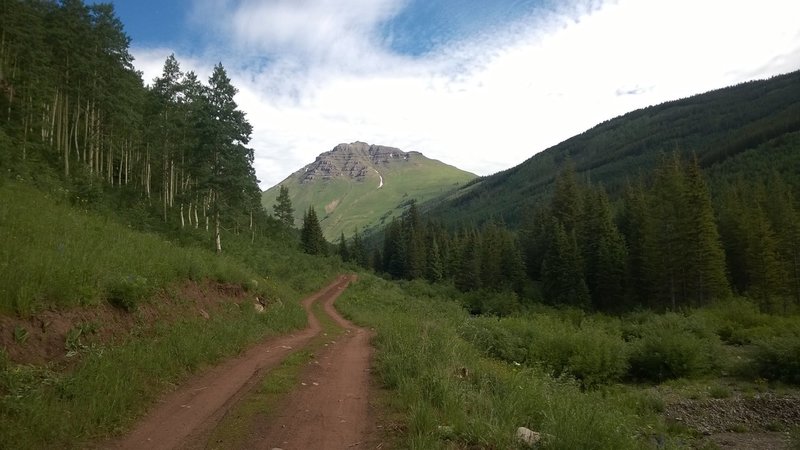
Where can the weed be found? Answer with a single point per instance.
(20, 334)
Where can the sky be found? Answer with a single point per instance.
(479, 84)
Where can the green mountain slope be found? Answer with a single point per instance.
(360, 185)
(715, 126)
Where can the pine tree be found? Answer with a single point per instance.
(311, 239)
(358, 251)
(283, 207)
(434, 270)
(344, 252)
(562, 273)
(567, 205)
(467, 276)
(603, 251)
(704, 258)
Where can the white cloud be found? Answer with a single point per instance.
(487, 102)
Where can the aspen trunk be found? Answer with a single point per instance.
(216, 233)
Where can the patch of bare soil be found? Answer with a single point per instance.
(49, 336)
(185, 417)
(741, 422)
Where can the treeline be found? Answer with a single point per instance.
(71, 99)
(664, 244)
(715, 126)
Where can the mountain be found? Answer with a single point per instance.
(755, 121)
(360, 185)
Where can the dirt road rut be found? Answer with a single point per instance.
(330, 412)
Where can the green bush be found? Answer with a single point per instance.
(127, 292)
(778, 358)
(591, 353)
(737, 321)
(672, 346)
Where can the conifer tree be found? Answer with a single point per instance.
(283, 207)
(311, 239)
(434, 270)
(704, 257)
(358, 252)
(604, 252)
(344, 252)
(562, 274)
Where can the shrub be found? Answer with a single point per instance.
(590, 353)
(128, 291)
(778, 358)
(672, 346)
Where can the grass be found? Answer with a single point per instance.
(44, 408)
(234, 429)
(440, 381)
(583, 380)
(56, 256)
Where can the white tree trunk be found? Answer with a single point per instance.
(216, 233)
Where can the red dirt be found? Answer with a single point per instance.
(45, 332)
(334, 414)
(330, 409)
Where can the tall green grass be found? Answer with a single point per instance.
(41, 408)
(454, 396)
(56, 256)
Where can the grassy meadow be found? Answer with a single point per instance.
(57, 256)
(582, 380)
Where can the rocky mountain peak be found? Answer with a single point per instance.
(353, 160)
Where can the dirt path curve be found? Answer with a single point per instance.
(198, 405)
(331, 408)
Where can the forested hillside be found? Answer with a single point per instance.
(714, 126)
(669, 207)
(75, 111)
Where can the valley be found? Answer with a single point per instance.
(636, 286)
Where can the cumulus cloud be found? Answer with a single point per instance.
(312, 74)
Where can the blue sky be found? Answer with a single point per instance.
(482, 85)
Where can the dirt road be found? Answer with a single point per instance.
(331, 414)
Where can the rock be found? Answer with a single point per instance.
(204, 314)
(259, 307)
(528, 437)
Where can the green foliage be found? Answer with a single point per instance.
(589, 352)
(439, 379)
(672, 346)
(283, 207)
(127, 292)
(778, 357)
(311, 239)
(56, 256)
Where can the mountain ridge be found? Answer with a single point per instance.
(715, 127)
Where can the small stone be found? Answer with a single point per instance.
(204, 314)
(528, 437)
(258, 307)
